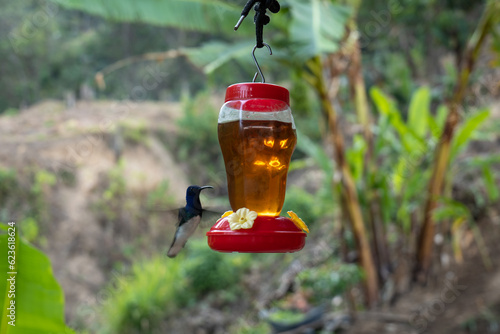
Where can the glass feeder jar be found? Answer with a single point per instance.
(257, 137)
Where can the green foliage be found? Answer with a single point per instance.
(243, 327)
(113, 193)
(134, 133)
(286, 316)
(437, 123)
(208, 271)
(356, 157)
(466, 130)
(486, 190)
(326, 282)
(67, 177)
(156, 288)
(199, 123)
(29, 229)
(316, 152)
(39, 301)
(209, 57)
(490, 183)
(419, 111)
(305, 105)
(307, 206)
(427, 30)
(397, 71)
(197, 142)
(407, 165)
(461, 217)
(316, 27)
(484, 321)
(451, 209)
(159, 197)
(43, 179)
(408, 136)
(325, 196)
(8, 182)
(22, 195)
(34, 199)
(198, 15)
(449, 78)
(11, 112)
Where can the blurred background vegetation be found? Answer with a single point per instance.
(108, 110)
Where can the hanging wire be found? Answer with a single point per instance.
(259, 71)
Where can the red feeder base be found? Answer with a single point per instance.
(268, 235)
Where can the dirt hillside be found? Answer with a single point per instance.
(86, 141)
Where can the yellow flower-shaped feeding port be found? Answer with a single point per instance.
(242, 218)
(297, 221)
(227, 213)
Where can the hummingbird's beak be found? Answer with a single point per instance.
(205, 187)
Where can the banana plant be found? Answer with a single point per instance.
(416, 137)
(488, 21)
(303, 29)
(193, 15)
(404, 146)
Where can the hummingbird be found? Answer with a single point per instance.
(188, 220)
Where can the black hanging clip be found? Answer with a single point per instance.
(260, 19)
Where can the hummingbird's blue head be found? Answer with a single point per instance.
(193, 196)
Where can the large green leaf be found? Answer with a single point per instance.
(195, 15)
(490, 183)
(451, 209)
(317, 26)
(39, 301)
(355, 156)
(386, 107)
(412, 142)
(418, 111)
(212, 55)
(466, 130)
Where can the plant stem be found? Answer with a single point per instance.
(358, 93)
(425, 242)
(349, 193)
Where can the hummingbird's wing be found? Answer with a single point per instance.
(210, 217)
(186, 224)
(185, 228)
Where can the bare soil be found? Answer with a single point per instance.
(83, 142)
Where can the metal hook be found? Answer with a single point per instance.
(259, 71)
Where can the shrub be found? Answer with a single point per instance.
(137, 302)
(208, 271)
(326, 282)
(304, 204)
(155, 288)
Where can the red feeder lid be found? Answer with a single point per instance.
(268, 235)
(257, 90)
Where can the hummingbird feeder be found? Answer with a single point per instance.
(257, 137)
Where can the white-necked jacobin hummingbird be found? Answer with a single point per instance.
(188, 220)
